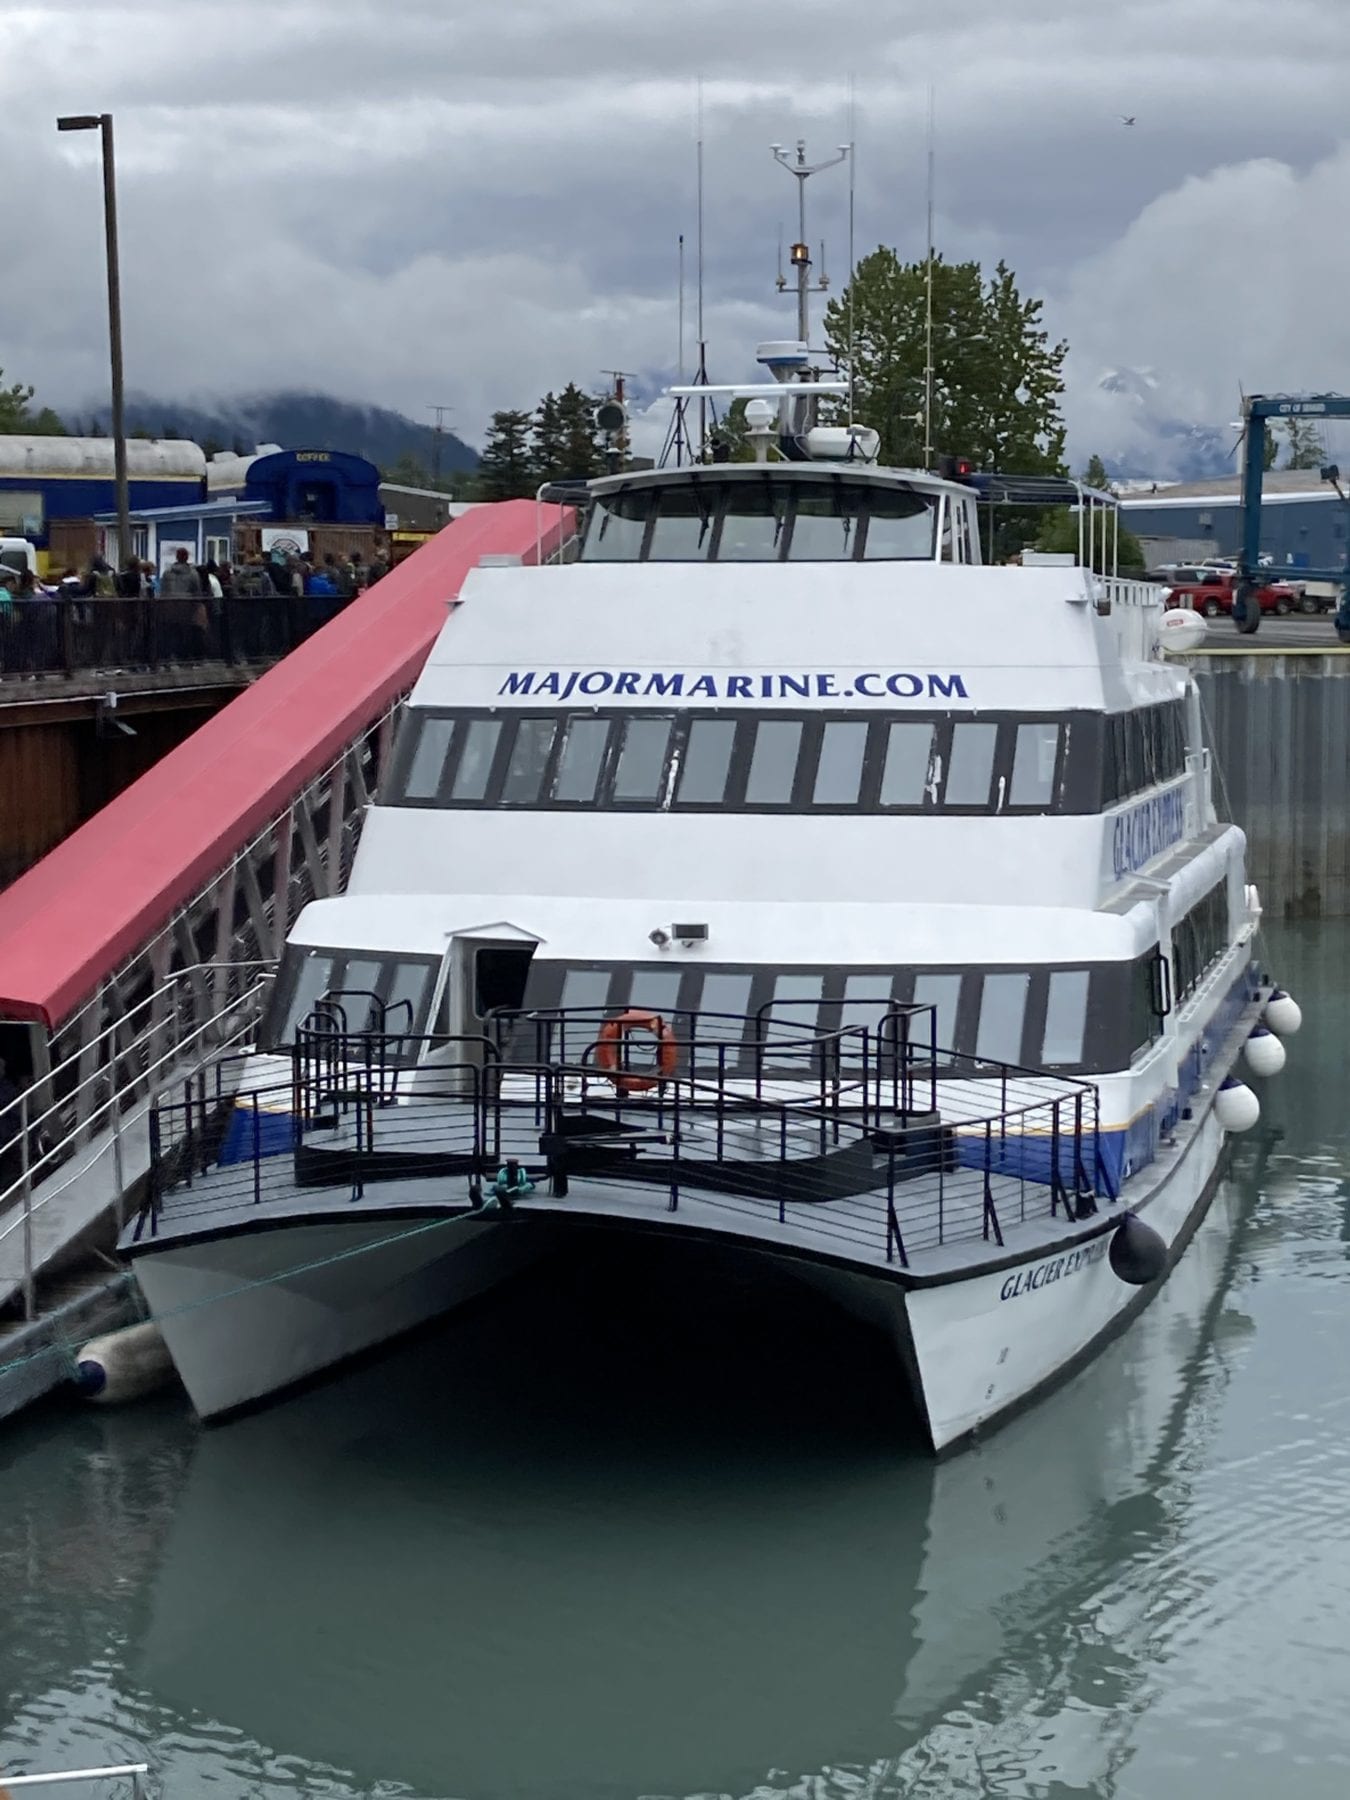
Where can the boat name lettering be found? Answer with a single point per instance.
(1145, 831)
(1030, 1281)
(681, 684)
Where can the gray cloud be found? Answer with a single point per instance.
(457, 200)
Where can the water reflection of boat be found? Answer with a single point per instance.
(437, 1570)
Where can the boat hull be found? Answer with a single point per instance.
(988, 1343)
(247, 1315)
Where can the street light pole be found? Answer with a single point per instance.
(102, 122)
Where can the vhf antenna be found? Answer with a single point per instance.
(800, 252)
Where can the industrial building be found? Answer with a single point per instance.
(1303, 520)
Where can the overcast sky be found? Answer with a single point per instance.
(469, 201)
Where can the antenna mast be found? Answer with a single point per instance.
(702, 343)
(800, 254)
(681, 310)
(928, 307)
(440, 412)
(852, 253)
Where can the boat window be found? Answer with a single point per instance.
(1087, 1021)
(355, 991)
(1065, 1018)
(795, 1010)
(1003, 1005)
(971, 764)
(1144, 1024)
(406, 997)
(683, 528)
(843, 745)
(866, 1003)
(773, 766)
(356, 981)
(909, 749)
(579, 764)
(706, 762)
(1198, 938)
(477, 746)
(658, 991)
(433, 742)
(528, 761)
(585, 987)
(760, 760)
(825, 523)
(1033, 779)
(727, 993)
(616, 524)
(752, 522)
(944, 993)
(641, 770)
(900, 526)
(306, 976)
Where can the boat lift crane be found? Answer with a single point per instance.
(1257, 411)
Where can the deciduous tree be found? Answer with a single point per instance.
(997, 379)
(15, 416)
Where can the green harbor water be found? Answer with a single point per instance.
(622, 1533)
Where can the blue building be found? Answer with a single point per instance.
(204, 528)
(1303, 521)
(43, 479)
(316, 487)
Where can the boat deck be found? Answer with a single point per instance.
(750, 1177)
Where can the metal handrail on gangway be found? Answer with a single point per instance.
(202, 864)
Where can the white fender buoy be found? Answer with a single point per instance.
(1283, 1013)
(123, 1365)
(1236, 1107)
(1264, 1052)
(1181, 629)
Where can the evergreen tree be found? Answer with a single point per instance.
(408, 471)
(548, 441)
(1304, 444)
(504, 469)
(997, 378)
(581, 455)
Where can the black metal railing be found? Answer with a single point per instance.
(62, 636)
(848, 1131)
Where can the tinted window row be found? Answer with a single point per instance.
(761, 518)
(1038, 1018)
(368, 991)
(1142, 748)
(1198, 939)
(748, 761)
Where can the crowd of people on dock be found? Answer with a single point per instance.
(257, 577)
(194, 617)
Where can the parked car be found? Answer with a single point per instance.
(1214, 595)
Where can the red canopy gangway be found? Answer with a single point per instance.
(142, 943)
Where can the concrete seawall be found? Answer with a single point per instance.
(1278, 722)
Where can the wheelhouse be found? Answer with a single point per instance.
(779, 512)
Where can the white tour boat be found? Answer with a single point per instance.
(773, 874)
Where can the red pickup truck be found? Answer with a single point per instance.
(1215, 595)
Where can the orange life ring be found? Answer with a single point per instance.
(612, 1034)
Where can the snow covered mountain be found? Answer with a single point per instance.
(1139, 438)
